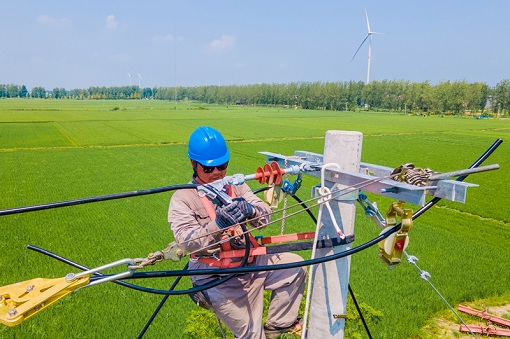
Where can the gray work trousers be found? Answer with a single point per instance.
(239, 302)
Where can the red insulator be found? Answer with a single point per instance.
(260, 175)
(278, 173)
(270, 174)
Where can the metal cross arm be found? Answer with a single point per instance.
(375, 179)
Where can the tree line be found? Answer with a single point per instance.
(455, 97)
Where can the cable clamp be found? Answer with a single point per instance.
(425, 275)
(371, 210)
(412, 259)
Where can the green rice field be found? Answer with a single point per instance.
(57, 150)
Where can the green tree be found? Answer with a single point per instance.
(24, 91)
(38, 92)
(502, 96)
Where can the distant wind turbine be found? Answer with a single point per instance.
(129, 75)
(139, 78)
(369, 37)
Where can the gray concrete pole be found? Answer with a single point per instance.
(330, 280)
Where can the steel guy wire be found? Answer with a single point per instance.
(425, 276)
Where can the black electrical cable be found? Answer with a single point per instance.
(477, 163)
(165, 297)
(160, 305)
(237, 270)
(422, 210)
(199, 288)
(315, 261)
(160, 274)
(359, 312)
(95, 199)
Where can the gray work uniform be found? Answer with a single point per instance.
(238, 302)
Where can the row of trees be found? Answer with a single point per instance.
(397, 95)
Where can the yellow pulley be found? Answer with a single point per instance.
(391, 248)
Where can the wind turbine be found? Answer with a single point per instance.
(139, 78)
(369, 37)
(129, 75)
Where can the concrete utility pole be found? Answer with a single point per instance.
(329, 284)
(331, 279)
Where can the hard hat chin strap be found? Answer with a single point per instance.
(196, 178)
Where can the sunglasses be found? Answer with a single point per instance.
(210, 169)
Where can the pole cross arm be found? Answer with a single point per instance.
(375, 179)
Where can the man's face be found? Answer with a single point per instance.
(206, 176)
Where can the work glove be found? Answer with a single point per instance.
(233, 213)
(245, 207)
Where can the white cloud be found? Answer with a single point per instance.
(221, 45)
(111, 23)
(48, 20)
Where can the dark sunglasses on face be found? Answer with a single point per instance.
(210, 169)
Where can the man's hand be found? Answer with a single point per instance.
(245, 207)
(234, 213)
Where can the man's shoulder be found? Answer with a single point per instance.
(184, 194)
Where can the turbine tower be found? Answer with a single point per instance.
(139, 78)
(369, 37)
(129, 75)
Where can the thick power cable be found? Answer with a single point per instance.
(234, 270)
(165, 297)
(374, 241)
(160, 305)
(94, 199)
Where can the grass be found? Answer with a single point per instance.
(60, 150)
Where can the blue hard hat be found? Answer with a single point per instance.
(208, 147)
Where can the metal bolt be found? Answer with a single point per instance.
(340, 316)
(30, 288)
(13, 312)
(70, 276)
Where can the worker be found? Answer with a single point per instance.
(239, 301)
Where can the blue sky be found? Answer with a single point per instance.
(77, 44)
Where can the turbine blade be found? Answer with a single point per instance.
(368, 23)
(360, 46)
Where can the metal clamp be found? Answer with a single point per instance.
(128, 262)
(371, 210)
